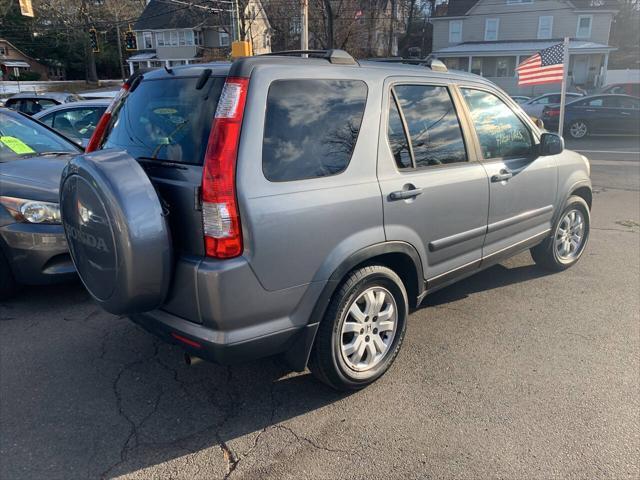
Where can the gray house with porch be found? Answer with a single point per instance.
(491, 37)
(181, 33)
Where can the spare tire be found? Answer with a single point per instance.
(117, 231)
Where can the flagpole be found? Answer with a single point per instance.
(565, 74)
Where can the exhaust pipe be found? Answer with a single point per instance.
(191, 359)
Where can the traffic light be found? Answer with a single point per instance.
(130, 41)
(93, 40)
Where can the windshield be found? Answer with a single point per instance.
(21, 138)
(166, 120)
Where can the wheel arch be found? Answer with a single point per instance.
(585, 193)
(401, 257)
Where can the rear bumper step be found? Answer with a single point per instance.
(213, 345)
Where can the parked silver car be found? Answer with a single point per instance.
(76, 120)
(301, 206)
(35, 102)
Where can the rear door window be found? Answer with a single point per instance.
(311, 127)
(432, 124)
(166, 120)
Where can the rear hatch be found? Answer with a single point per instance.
(164, 122)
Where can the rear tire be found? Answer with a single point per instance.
(568, 240)
(362, 331)
(578, 129)
(8, 285)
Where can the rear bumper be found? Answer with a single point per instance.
(214, 345)
(37, 254)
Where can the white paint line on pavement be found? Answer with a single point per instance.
(608, 151)
(614, 163)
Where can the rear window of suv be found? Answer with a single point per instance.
(166, 120)
(311, 127)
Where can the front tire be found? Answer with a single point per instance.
(570, 234)
(362, 331)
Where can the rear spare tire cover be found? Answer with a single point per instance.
(117, 233)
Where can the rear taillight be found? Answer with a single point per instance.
(98, 134)
(220, 213)
(552, 112)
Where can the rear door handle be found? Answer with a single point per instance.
(626, 113)
(502, 176)
(405, 194)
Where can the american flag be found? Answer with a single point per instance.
(546, 66)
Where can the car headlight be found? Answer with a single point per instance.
(32, 211)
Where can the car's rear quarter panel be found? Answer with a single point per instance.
(299, 232)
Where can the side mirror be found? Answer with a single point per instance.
(551, 144)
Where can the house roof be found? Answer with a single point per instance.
(164, 14)
(520, 47)
(458, 8)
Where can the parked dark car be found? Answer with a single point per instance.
(597, 114)
(630, 88)
(34, 102)
(33, 249)
(76, 120)
(302, 205)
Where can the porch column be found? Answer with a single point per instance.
(148, 63)
(166, 64)
(469, 66)
(130, 68)
(605, 66)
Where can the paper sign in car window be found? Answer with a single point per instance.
(16, 145)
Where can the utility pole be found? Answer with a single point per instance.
(122, 74)
(304, 24)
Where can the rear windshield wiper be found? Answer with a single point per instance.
(56, 153)
(154, 162)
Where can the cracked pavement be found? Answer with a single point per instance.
(512, 373)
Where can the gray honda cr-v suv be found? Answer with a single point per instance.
(285, 204)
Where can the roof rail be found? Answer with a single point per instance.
(431, 62)
(336, 56)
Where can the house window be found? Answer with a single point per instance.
(182, 39)
(224, 39)
(545, 27)
(3, 51)
(159, 39)
(189, 35)
(147, 39)
(173, 38)
(197, 37)
(491, 29)
(494, 66)
(584, 26)
(455, 31)
(456, 63)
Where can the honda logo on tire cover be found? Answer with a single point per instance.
(87, 239)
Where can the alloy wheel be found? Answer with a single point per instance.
(570, 235)
(368, 329)
(578, 129)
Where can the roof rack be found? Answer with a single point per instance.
(336, 56)
(431, 62)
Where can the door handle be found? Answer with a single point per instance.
(626, 113)
(405, 194)
(590, 110)
(502, 176)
